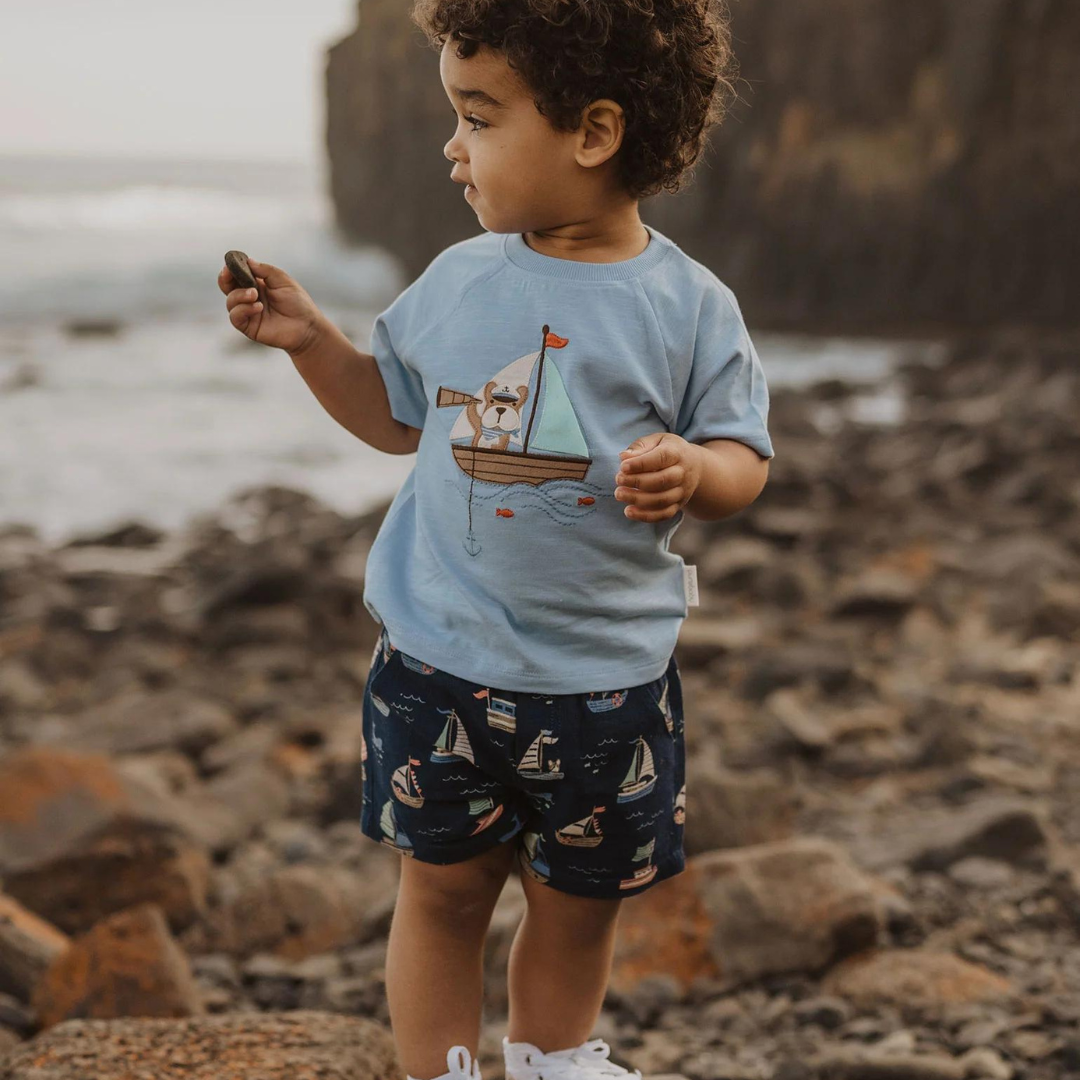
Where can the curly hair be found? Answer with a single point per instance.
(668, 63)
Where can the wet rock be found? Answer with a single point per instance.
(93, 327)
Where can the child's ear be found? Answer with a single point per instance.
(603, 125)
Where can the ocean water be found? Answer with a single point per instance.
(177, 411)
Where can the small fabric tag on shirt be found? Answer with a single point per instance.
(690, 585)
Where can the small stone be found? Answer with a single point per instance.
(237, 262)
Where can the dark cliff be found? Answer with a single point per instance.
(890, 166)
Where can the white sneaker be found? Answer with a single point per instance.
(459, 1064)
(589, 1061)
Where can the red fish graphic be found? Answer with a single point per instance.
(500, 512)
(585, 500)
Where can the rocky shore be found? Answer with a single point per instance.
(882, 700)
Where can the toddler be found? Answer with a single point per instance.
(572, 383)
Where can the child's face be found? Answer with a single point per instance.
(525, 174)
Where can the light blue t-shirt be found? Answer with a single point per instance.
(505, 558)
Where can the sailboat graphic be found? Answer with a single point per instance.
(641, 777)
(501, 713)
(477, 806)
(532, 763)
(605, 701)
(532, 860)
(453, 742)
(403, 784)
(643, 873)
(392, 832)
(583, 833)
(488, 440)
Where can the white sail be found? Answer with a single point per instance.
(517, 373)
(648, 768)
(586, 826)
(462, 747)
(577, 828)
(531, 761)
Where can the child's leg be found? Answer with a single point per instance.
(560, 963)
(434, 958)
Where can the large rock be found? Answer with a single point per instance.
(127, 965)
(28, 945)
(295, 912)
(79, 840)
(138, 721)
(913, 977)
(301, 1045)
(726, 808)
(888, 164)
(1009, 829)
(791, 905)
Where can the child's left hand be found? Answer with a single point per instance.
(658, 476)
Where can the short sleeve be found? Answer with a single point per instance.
(726, 396)
(404, 386)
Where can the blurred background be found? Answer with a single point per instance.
(882, 690)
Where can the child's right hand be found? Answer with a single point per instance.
(282, 316)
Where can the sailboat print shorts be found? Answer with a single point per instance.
(592, 785)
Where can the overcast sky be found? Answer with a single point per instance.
(198, 78)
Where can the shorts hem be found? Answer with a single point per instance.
(437, 858)
(671, 866)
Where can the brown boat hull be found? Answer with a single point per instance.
(507, 467)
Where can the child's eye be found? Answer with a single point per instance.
(477, 123)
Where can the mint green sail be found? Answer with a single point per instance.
(558, 430)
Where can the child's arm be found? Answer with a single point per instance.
(278, 312)
(730, 476)
(350, 388)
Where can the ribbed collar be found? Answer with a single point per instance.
(515, 250)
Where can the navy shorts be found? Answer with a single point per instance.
(592, 784)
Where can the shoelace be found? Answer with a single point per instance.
(592, 1056)
(460, 1065)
